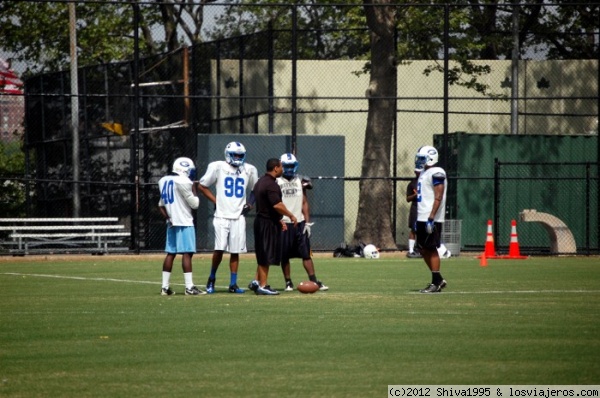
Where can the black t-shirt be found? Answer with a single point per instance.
(267, 193)
(410, 189)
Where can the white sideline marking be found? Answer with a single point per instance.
(81, 278)
(579, 291)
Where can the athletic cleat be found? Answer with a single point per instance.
(442, 285)
(322, 287)
(289, 286)
(194, 291)
(166, 291)
(446, 254)
(432, 288)
(210, 286)
(266, 291)
(413, 255)
(253, 285)
(235, 289)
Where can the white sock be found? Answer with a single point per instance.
(411, 245)
(166, 279)
(189, 282)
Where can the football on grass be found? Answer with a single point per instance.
(308, 287)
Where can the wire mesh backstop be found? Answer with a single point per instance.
(455, 78)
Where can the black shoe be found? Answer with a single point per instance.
(289, 286)
(253, 285)
(194, 291)
(442, 284)
(266, 291)
(166, 291)
(235, 289)
(432, 288)
(413, 255)
(210, 286)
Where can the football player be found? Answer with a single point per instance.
(178, 196)
(411, 197)
(431, 206)
(234, 180)
(296, 241)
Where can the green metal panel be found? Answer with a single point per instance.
(562, 190)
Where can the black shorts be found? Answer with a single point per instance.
(294, 243)
(428, 241)
(412, 218)
(267, 241)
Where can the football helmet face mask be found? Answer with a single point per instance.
(185, 168)
(235, 154)
(290, 165)
(370, 251)
(426, 156)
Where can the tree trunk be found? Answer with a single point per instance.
(373, 223)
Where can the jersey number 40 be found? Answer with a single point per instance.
(166, 194)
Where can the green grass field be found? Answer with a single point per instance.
(97, 326)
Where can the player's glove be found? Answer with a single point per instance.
(246, 209)
(307, 228)
(429, 226)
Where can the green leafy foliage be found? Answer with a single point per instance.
(327, 31)
(37, 33)
(12, 192)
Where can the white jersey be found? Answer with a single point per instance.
(426, 194)
(292, 195)
(177, 198)
(232, 186)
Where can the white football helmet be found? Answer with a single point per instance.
(426, 156)
(235, 154)
(290, 165)
(185, 168)
(370, 251)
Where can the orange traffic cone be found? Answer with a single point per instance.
(513, 249)
(483, 261)
(490, 251)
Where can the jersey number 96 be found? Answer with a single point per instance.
(234, 187)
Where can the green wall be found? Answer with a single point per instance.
(564, 190)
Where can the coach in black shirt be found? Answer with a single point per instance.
(268, 225)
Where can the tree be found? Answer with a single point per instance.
(12, 194)
(328, 31)
(373, 223)
(38, 32)
(568, 31)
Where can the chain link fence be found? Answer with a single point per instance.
(567, 193)
(455, 77)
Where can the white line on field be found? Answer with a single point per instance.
(553, 291)
(81, 278)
